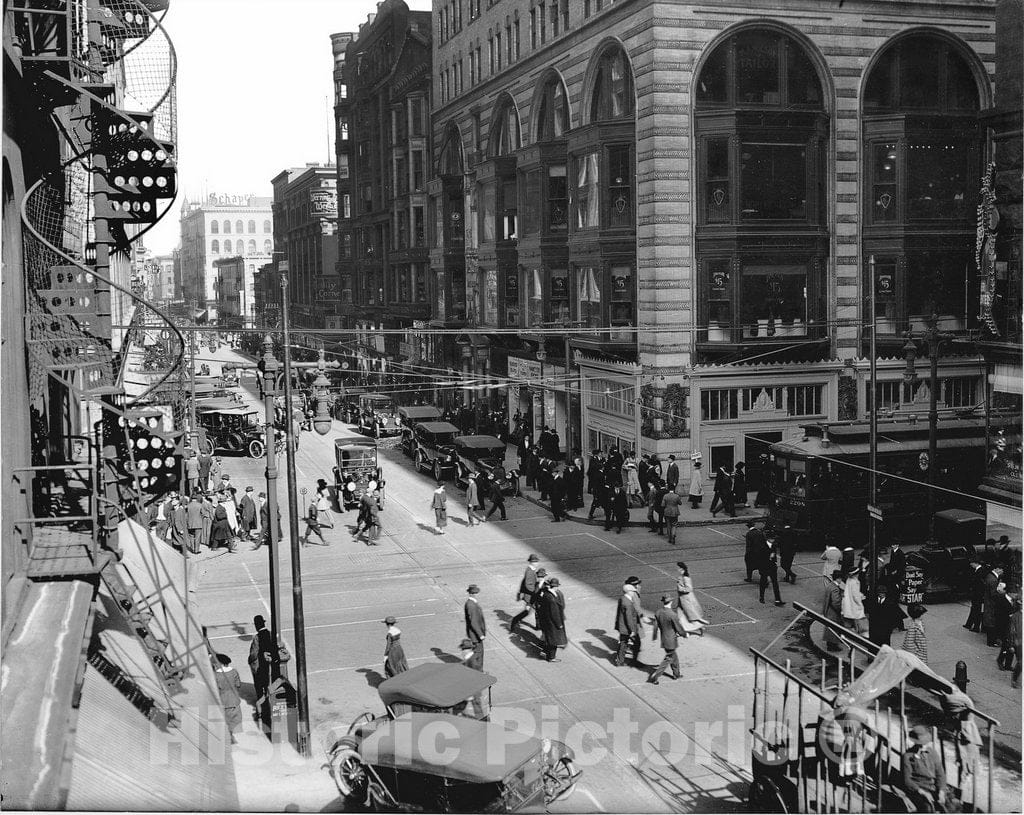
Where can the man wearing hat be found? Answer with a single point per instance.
(672, 474)
(527, 590)
(923, 776)
(551, 618)
(854, 616)
(476, 627)
(666, 623)
(394, 653)
(976, 583)
(628, 616)
(247, 511)
(264, 662)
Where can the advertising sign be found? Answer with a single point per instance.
(328, 288)
(913, 586)
(323, 203)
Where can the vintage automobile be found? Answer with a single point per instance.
(432, 448)
(484, 455)
(412, 415)
(945, 563)
(232, 428)
(383, 762)
(356, 470)
(377, 415)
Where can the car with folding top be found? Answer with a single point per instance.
(377, 415)
(388, 761)
(484, 455)
(231, 428)
(432, 447)
(356, 469)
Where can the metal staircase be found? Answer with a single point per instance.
(104, 70)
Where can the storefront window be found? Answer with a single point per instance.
(716, 180)
(532, 202)
(938, 171)
(621, 314)
(587, 191)
(884, 175)
(719, 284)
(558, 198)
(773, 299)
(773, 181)
(485, 200)
(939, 282)
(588, 297)
(535, 301)
(559, 295)
(509, 212)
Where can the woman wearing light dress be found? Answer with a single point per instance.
(323, 505)
(691, 615)
(629, 466)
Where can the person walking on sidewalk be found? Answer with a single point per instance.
(616, 510)
(768, 568)
(696, 492)
(628, 622)
(313, 524)
(476, 626)
(551, 618)
(497, 499)
(527, 592)
(472, 499)
(595, 470)
(722, 499)
(394, 654)
(439, 503)
(988, 613)
(670, 502)
(599, 491)
(667, 625)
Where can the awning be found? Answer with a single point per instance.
(125, 754)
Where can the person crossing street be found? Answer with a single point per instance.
(527, 592)
(476, 627)
(667, 625)
(628, 622)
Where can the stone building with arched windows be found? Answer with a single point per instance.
(660, 219)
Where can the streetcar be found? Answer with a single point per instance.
(820, 484)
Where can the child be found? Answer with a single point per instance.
(229, 685)
(914, 640)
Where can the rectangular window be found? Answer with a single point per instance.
(719, 283)
(586, 9)
(419, 227)
(886, 319)
(621, 310)
(587, 192)
(716, 180)
(509, 209)
(487, 212)
(773, 299)
(490, 294)
(773, 181)
(490, 49)
(346, 205)
(542, 23)
(417, 170)
(515, 36)
(804, 400)
(559, 295)
(620, 187)
(554, 18)
(718, 405)
(532, 202)
(534, 279)
(472, 68)
(565, 14)
(508, 42)
(497, 43)
(612, 396)
(884, 174)
(940, 179)
(959, 391)
(756, 399)
(401, 177)
(588, 297)
(558, 198)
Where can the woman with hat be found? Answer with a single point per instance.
(914, 640)
(691, 615)
(394, 654)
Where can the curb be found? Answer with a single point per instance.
(591, 522)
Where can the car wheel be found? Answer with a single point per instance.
(349, 772)
(233, 443)
(560, 780)
(257, 448)
(207, 446)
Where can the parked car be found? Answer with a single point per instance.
(232, 429)
(356, 470)
(484, 455)
(412, 415)
(384, 761)
(432, 446)
(377, 415)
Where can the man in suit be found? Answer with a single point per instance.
(627, 622)
(558, 493)
(265, 522)
(476, 627)
(527, 592)
(755, 542)
(672, 473)
(551, 618)
(616, 510)
(194, 521)
(264, 663)
(191, 473)
(205, 461)
(977, 586)
(896, 568)
(595, 470)
(667, 625)
(247, 511)
(497, 498)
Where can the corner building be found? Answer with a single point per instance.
(693, 193)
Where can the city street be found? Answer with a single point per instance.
(421, 578)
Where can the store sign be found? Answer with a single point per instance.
(524, 371)
(913, 586)
(323, 203)
(328, 288)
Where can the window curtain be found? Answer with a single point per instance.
(586, 191)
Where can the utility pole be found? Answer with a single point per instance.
(873, 441)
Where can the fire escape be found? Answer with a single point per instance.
(104, 72)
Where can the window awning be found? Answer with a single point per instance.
(185, 767)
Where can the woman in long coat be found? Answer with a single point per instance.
(220, 532)
(696, 493)
(551, 618)
(739, 484)
(691, 615)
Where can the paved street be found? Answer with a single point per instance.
(421, 577)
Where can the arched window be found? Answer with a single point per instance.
(762, 135)
(553, 114)
(922, 161)
(505, 136)
(215, 247)
(252, 226)
(214, 227)
(227, 227)
(252, 247)
(612, 96)
(227, 247)
(266, 247)
(266, 227)
(239, 227)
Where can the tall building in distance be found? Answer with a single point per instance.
(305, 208)
(236, 292)
(675, 207)
(220, 226)
(382, 105)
